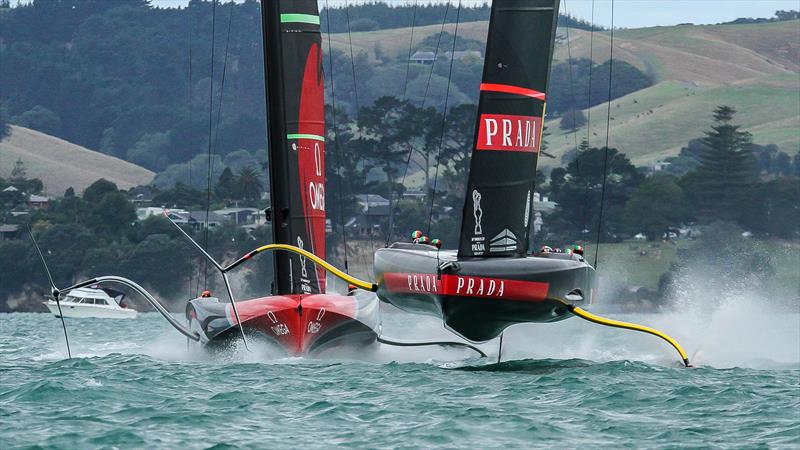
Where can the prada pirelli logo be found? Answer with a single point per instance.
(509, 133)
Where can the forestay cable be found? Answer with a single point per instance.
(210, 121)
(574, 106)
(390, 228)
(608, 132)
(422, 106)
(444, 117)
(336, 137)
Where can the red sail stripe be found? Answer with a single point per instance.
(508, 89)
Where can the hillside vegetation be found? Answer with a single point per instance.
(61, 164)
(752, 67)
(135, 81)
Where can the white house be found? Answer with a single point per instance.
(423, 58)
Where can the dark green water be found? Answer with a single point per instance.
(133, 384)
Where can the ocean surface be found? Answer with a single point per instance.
(133, 384)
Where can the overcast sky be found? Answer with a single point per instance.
(637, 13)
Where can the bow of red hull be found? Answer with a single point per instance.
(298, 324)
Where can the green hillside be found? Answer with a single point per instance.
(656, 122)
(61, 164)
(752, 67)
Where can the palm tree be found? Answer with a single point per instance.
(247, 185)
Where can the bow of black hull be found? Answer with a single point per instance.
(478, 298)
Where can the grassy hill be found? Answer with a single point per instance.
(60, 164)
(752, 67)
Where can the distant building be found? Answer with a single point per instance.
(373, 202)
(537, 221)
(243, 216)
(141, 195)
(542, 203)
(423, 58)
(196, 219)
(418, 195)
(374, 211)
(464, 55)
(659, 166)
(9, 232)
(150, 211)
(38, 201)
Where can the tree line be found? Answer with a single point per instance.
(729, 179)
(391, 141)
(135, 81)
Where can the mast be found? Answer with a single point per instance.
(296, 138)
(508, 133)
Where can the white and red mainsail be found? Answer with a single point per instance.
(296, 118)
(513, 94)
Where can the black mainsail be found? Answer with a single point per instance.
(295, 108)
(513, 95)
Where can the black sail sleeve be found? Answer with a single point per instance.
(513, 95)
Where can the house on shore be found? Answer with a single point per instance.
(425, 58)
(369, 221)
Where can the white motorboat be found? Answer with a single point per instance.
(93, 302)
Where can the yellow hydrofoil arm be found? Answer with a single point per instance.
(361, 284)
(586, 315)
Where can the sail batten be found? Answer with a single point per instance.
(508, 133)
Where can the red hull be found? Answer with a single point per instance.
(302, 324)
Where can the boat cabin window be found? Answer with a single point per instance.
(100, 301)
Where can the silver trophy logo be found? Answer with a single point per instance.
(527, 209)
(477, 211)
(302, 258)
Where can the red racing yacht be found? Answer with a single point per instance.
(300, 317)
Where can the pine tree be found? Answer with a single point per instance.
(108, 142)
(572, 119)
(728, 171)
(4, 128)
(226, 184)
(19, 173)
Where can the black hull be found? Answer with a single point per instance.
(478, 298)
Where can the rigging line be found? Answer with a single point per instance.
(189, 90)
(222, 81)
(336, 138)
(444, 118)
(608, 130)
(591, 64)
(405, 91)
(355, 96)
(410, 46)
(574, 105)
(588, 119)
(191, 134)
(352, 64)
(210, 121)
(435, 56)
(422, 106)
